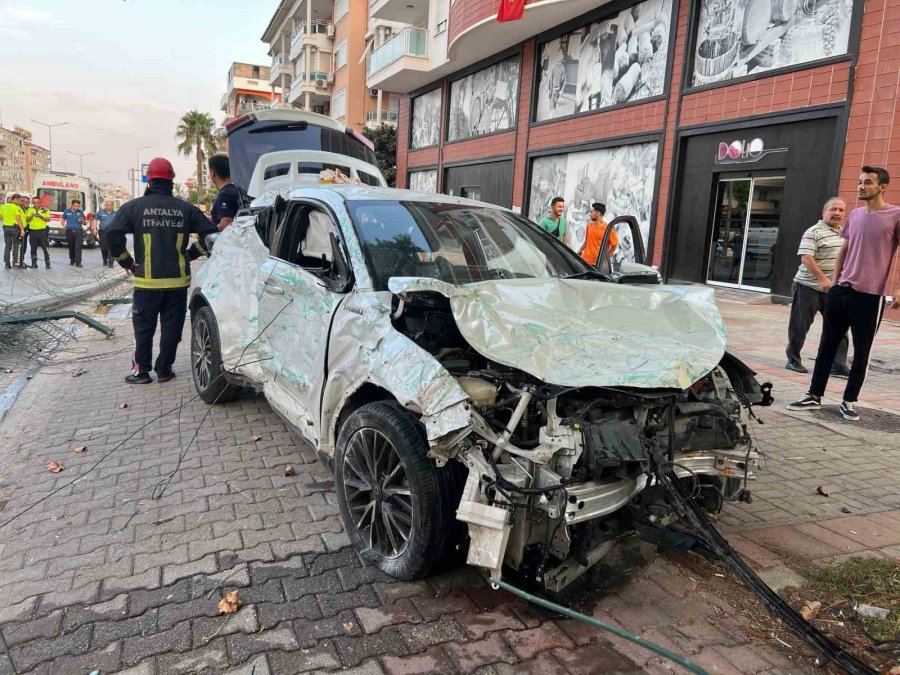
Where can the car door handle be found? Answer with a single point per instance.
(273, 289)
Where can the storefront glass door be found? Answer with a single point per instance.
(745, 231)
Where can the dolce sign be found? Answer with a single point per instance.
(744, 152)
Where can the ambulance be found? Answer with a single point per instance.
(57, 190)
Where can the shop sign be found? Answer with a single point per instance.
(744, 152)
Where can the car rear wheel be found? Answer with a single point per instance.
(206, 360)
(397, 506)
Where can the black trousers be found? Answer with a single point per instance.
(40, 238)
(104, 248)
(860, 313)
(806, 303)
(12, 246)
(75, 239)
(24, 253)
(169, 308)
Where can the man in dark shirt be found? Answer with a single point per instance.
(73, 219)
(104, 218)
(230, 198)
(162, 225)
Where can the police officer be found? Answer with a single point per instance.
(161, 225)
(13, 231)
(37, 217)
(230, 198)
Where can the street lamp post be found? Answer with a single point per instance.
(80, 156)
(136, 181)
(50, 135)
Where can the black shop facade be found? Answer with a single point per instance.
(745, 193)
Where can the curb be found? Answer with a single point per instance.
(47, 302)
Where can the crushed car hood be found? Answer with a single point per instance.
(579, 333)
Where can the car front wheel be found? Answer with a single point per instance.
(207, 369)
(398, 507)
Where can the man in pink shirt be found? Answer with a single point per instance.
(855, 301)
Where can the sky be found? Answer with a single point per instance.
(121, 73)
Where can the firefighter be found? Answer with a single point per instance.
(161, 225)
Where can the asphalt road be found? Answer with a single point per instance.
(21, 285)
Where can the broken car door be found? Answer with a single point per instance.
(297, 298)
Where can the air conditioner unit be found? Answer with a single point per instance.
(373, 92)
(329, 30)
(321, 84)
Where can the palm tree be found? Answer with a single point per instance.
(195, 134)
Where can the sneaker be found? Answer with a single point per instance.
(164, 377)
(34, 265)
(808, 402)
(77, 264)
(47, 265)
(7, 266)
(71, 263)
(848, 411)
(840, 371)
(795, 366)
(139, 378)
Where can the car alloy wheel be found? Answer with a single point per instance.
(201, 353)
(378, 494)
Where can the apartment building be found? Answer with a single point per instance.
(12, 161)
(318, 50)
(248, 89)
(721, 126)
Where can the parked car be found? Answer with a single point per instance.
(469, 379)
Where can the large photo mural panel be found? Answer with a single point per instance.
(423, 181)
(485, 102)
(618, 60)
(622, 177)
(735, 39)
(426, 119)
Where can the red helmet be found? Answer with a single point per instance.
(160, 168)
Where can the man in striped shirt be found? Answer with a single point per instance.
(818, 253)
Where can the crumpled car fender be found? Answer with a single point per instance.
(365, 348)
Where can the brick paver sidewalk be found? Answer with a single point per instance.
(103, 576)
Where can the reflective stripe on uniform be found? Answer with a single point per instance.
(162, 284)
(124, 256)
(179, 240)
(148, 257)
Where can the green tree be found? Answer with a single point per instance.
(196, 133)
(384, 136)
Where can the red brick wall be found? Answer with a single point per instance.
(583, 129)
(825, 84)
(478, 148)
(668, 149)
(466, 13)
(872, 134)
(403, 113)
(425, 157)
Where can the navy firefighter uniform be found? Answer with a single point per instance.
(162, 225)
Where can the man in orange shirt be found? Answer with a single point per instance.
(596, 228)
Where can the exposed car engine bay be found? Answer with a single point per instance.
(557, 475)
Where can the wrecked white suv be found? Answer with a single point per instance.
(471, 381)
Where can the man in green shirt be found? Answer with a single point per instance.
(13, 231)
(555, 223)
(38, 217)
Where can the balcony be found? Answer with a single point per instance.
(400, 61)
(387, 117)
(315, 83)
(277, 70)
(414, 12)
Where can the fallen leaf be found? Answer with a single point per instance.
(810, 609)
(79, 449)
(230, 603)
(54, 467)
(255, 438)
(7, 370)
(348, 626)
(758, 634)
(844, 509)
(820, 491)
(77, 372)
(122, 406)
(289, 471)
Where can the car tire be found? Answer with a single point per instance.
(207, 369)
(403, 521)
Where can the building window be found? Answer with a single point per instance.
(423, 181)
(485, 102)
(733, 41)
(341, 8)
(619, 60)
(426, 119)
(340, 54)
(622, 177)
(339, 104)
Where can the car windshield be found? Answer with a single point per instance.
(456, 243)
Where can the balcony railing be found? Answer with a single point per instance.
(386, 116)
(310, 77)
(408, 42)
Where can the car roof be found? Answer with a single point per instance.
(375, 193)
(295, 115)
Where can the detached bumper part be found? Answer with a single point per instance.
(489, 529)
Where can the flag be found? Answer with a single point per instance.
(510, 10)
